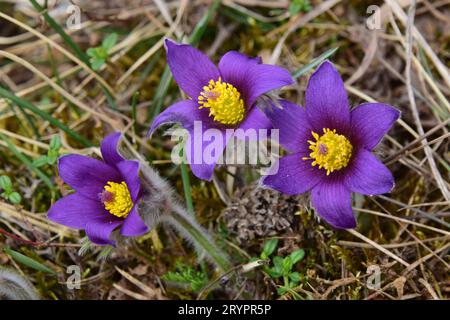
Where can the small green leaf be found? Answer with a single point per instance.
(269, 248)
(109, 41)
(297, 256)
(14, 197)
(52, 156)
(97, 64)
(91, 52)
(187, 276)
(295, 277)
(273, 273)
(278, 264)
(55, 143)
(39, 162)
(98, 53)
(286, 265)
(102, 53)
(297, 6)
(281, 291)
(5, 183)
(28, 261)
(51, 160)
(294, 8)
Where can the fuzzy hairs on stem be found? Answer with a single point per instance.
(159, 203)
(13, 286)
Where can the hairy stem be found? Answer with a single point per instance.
(160, 204)
(13, 286)
(197, 235)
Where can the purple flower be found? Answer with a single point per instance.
(106, 194)
(220, 97)
(331, 148)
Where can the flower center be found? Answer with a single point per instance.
(224, 102)
(330, 151)
(116, 199)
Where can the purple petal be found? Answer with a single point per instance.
(130, 174)
(203, 151)
(133, 225)
(233, 64)
(371, 121)
(191, 68)
(262, 78)
(293, 125)
(196, 122)
(99, 231)
(294, 176)
(234, 68)
(184, 113)
(86, 175)
(255, 120)
(367, 175)
(326, 100)
(75, 211)
(332, 201)
(109, 147)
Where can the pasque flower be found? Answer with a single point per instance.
(331, 147)
(220, 97)
(106, 197)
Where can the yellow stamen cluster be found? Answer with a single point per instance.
(224, 102)
(117, 199)
(330, 151)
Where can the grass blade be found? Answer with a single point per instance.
(27, 117)
(314, 62)
(134, 101)
(161, 91)
(74, 47)
(44, 115)
(27, 261)
(27, 161)
(67, 39)
(201, 26)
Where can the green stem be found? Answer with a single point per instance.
(134, 101)
(186, 183)
(187, 187)
(286, 281)
(67, 39)
(161, 204)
